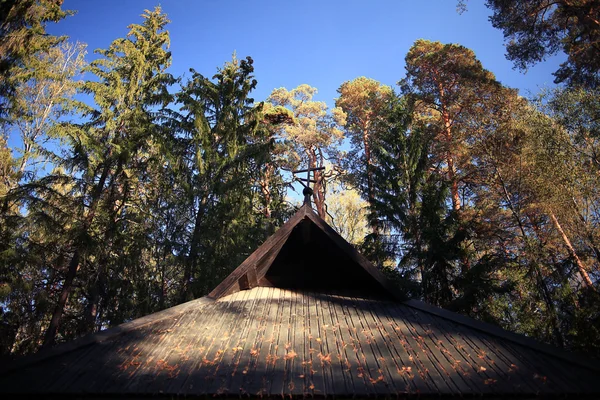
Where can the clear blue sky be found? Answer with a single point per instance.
(321, 43)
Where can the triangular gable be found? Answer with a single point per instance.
(306, 253)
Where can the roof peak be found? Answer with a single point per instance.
(306, 253)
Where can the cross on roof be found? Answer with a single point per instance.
(307, 191)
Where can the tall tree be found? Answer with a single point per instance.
(535, 30)
(364, 101)
(110, 148)
(312, 137)
(451, 88)
(225, 147)
(23, 35)
(43, 100)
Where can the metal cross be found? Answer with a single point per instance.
(307, 191)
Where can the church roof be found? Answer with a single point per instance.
(264, 332)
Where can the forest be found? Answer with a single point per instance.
(134, 190)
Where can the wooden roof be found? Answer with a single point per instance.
(302, 340)
(307, 253)
(280, 342)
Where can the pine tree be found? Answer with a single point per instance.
(364, 101)
(311, 138)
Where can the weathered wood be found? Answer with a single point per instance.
(425, 366)
(102, 335)
(277, 372)
(406, 369)
(244, 380)
(275, 342)
(356, 256)
(504, 334)
(441, 351)
(252, 271)
(352, 362)
(365, 358)
(265, 252)
(334, 347)
(388, 368)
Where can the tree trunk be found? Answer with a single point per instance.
(62, 301)
(448, 144)
(369, 166)
(192, 259)
(74, 263)
(588, 232)
(539, 280)
(580, 266)
(450, 161)
(318, 188)
(265, 188)
(91, 312)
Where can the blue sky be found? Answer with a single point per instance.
(321, 43)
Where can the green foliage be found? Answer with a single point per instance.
(473, 198)
(230, 146)
(535, 30)
(23, 37)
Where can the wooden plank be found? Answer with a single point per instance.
(174, 361)
(294, 384)
(252, 375)
(216, 323)
(261, 382)
(352, 364)
(281, 345)
(101, 336)
(214, 384)
(148, 361)
(199, 334)
(306, 354)
(478, 354)
(577, 380)
(504, 334)
(335, 346)
(317, 370)
(424, 364)
(484, 345)
(362, 347)
(247, 358)
(259, 262)
(261, 258)
(324, 357)
(94, 368)
(221, 369)
(381, 378)
(440, 362)
(239, 346)
(393, 377)
(406, 361)
(469, 379)
(50, 375)
(546, 382)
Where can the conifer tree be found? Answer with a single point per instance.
(224, 149)
(112, 148)
(364, 101)
(312, 137)
(23, 36)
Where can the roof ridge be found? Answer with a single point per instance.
(252, 269)
(102, 336)
(497, 331)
